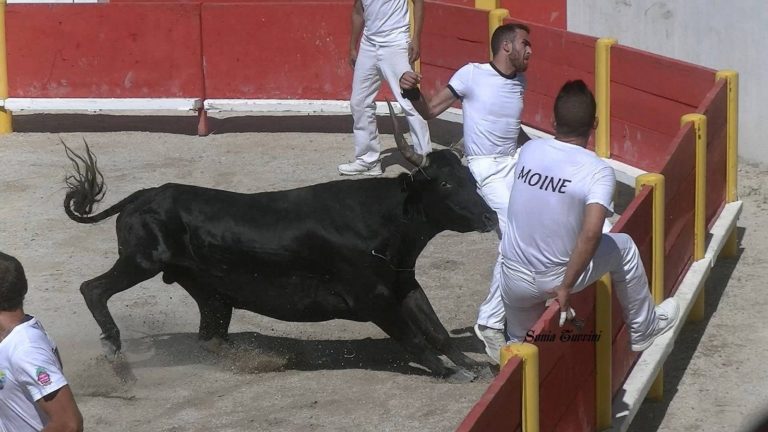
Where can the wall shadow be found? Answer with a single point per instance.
(443, 132)
(253, 352)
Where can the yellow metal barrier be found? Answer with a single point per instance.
(657, 256)
(529, 353)
(731, 248)
(495, 19)
(487, 4)
(700, 204)
(603, 96)
(5, 116)
(603, 355)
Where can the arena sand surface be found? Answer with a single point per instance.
(332, 376)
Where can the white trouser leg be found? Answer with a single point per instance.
(616, 254)
(393, 62)
(494, 176)
(366, 82)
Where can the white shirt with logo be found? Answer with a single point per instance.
(554, 182)
(386, 22)
(492, 103)
(29, 370)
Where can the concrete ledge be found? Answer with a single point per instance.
(99, 104)
(635, 388)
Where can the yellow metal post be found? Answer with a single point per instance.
(495, 19)
(529, 353)
(603, 355)
(656, 181)
(731, 247)
(5, 116)
(603, 96)
(699, 122)
(487, 4)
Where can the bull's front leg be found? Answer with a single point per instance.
(418, 310)
(399, 328)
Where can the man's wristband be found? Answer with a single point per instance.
(412, 94)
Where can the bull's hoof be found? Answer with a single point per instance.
(460, 376)
(484, 372)
(215, 345)
(110, 349)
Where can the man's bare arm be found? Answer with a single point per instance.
(357, 30)
(414, 51)
(61, 409)
(586, 245)
(428, 109)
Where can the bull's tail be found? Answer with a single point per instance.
(86, 188)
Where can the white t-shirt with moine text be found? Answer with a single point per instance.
(554, 182)
(29, 370)
(491, 104)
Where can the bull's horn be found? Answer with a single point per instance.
(402, 145)
(458, 148)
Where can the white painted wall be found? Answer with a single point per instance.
(712, 33)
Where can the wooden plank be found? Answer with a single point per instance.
(647, 110)
(660, 76)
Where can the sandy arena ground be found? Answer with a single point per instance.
(334, 376)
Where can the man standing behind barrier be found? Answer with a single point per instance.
(554, 245)
(34, 395)
(491, 95)
(386, 51)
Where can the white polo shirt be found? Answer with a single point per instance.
(29, 370)
(554, 181)
(386, 22)
(492, 104)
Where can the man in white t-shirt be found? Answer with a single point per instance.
(386, 51)
(554, 245)
(491, 96)
(34, 395)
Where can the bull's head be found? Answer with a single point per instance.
(443, 190)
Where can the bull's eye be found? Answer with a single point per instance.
(445, 184)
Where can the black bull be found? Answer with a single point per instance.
(339, 250)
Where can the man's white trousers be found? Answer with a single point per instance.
(374, 63)
(525, 292)
(494, 176)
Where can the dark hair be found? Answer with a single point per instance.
(13, 283)
(574, 110)
(505, 32)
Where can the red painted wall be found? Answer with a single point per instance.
(452, 37)
(103, 50)
(276, 51)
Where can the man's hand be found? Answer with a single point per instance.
(409, 80)
(563, 294)
(352, 57)
(414, 52)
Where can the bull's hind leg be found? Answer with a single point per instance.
(215, 312)
(401, 330)
(124, 274)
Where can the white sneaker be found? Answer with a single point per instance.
(356, 167)
(493, 340)
(667, 315)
